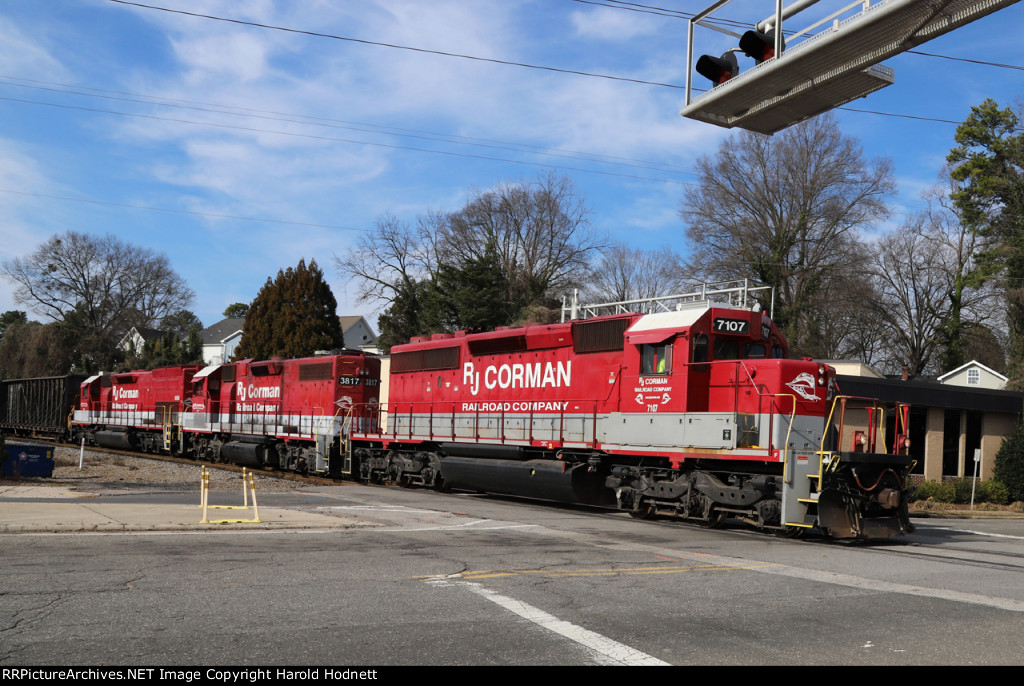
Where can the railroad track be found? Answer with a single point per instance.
(170, 459)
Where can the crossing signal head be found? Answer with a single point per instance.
(760, 46)
(718, 69)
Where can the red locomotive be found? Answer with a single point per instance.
(692, 411)
(137, 410)
(288, 414)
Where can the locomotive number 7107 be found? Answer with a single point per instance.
(723, 325)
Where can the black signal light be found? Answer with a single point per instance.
(718, 69)
(760, 46)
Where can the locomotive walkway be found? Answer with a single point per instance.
(26, 509)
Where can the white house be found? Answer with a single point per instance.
(357, 332)
(974, 375)
(137, 337)
(221, 339)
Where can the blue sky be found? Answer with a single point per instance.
(108, 109)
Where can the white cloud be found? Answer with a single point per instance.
(612, 25)
(26, 57)
(219, 170)
(237, 56)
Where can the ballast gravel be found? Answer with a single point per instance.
(105, 472)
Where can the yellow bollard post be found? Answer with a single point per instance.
(206, 491)
(202, 491)
(255, 509)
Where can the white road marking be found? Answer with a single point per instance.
(453, 527)
(604, 650)
(976, 533)
(379, 508)
(891, 587)
(848, 580)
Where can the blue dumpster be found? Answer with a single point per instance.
(24, 459)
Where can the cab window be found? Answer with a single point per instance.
(700, 348)
(726, 349)
(755, 351)
(656, 359)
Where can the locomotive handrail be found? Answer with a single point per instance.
(825, 431)
(346, 432)
(789, 432)
(587, 409)
(736, 290)
(874, 426)
(881, 426)
(771, 415)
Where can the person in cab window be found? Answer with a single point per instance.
(656, 359)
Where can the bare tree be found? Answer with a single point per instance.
(911, 272)
(390, 259)
(786, 212)
(625, 273)
(930, 296)
(845, 324)
(97, 286)
(540, 229)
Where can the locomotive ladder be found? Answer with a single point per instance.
(322, 440)
(807, 482)
(168, 428)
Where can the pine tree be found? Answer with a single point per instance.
(474, 296)
(989, 164)
(293, 316)
(405, 317)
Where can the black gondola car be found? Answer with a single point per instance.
(38, 407)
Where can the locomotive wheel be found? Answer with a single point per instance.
(644, 512)
(394, 476)
(714, 520)
(789, 532)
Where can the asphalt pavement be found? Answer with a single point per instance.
(46, 508)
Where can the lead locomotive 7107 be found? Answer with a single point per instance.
(692, 411)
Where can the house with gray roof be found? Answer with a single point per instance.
(358, 334)
(221, 339)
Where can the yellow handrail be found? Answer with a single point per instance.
(789, 431)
